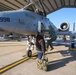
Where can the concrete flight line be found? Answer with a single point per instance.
(16, 63)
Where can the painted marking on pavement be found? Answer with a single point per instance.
(16, 63)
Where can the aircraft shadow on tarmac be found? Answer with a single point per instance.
(62, 62)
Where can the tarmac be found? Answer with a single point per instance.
(13, 60)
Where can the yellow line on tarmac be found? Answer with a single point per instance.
(15, 64)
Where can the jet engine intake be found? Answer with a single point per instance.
(64, 26)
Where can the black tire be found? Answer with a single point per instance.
(29, 53)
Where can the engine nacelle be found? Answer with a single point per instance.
(64, 27)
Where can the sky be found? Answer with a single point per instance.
(63, 15)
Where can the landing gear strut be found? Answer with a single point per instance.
(30, 46)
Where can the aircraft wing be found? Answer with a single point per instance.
(63, 33)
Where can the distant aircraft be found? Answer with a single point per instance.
(27, 21)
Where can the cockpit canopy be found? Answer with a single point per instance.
(32, 7)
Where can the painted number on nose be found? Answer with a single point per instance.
(4, 19)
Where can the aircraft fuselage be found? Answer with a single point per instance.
(23, 22)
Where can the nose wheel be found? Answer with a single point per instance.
(29, 53)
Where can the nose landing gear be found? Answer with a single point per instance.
(29, 53)
(30, 46)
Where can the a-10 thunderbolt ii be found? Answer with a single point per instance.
(27, 21)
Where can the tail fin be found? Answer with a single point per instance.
(73, 26)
